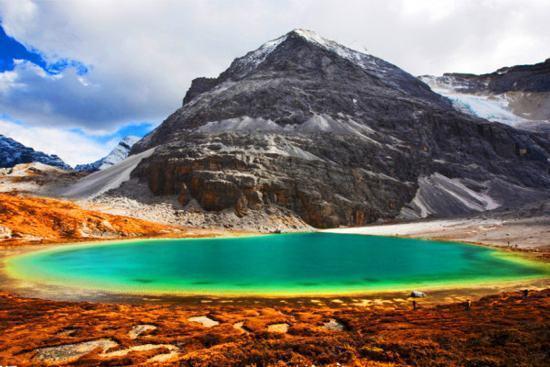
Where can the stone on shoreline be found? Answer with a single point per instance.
(418, 294)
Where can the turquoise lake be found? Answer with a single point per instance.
(285, 264)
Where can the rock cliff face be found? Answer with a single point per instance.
(518, 96)
(337, 136)
(13, 153)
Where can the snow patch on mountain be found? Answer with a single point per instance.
(466, 98)
(256, 57)
(118, 154)
(490, 107)
(369, 63)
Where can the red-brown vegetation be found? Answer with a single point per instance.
(27, 219)
(499, 330)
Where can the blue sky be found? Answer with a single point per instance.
(12, 53)
(76, 76)
(11, 50)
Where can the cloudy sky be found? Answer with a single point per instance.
(76, 76)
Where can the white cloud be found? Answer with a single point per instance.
(72, 147)
(144, 54)
(70, 100)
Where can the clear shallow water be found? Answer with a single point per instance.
(310, 263)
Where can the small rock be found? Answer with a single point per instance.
(204, 320)
(139, 348)
(62, 354)
(333, 325)
(418, 294)
(239, 326)
(278, 328)
(163, 358)
(5, 233)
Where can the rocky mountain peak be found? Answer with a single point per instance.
(302, 38)
(337, 137)
(304, 51)
(294, 82)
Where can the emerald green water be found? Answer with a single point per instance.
(310, 263)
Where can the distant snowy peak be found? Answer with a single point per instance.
(13, 153)
(118, 154)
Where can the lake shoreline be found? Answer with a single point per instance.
(527, 235)
(60, 291)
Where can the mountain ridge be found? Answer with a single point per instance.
(13, 153)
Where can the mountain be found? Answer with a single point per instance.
(13, 153)
(337, 137)
(518, 96)
(118, 154)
